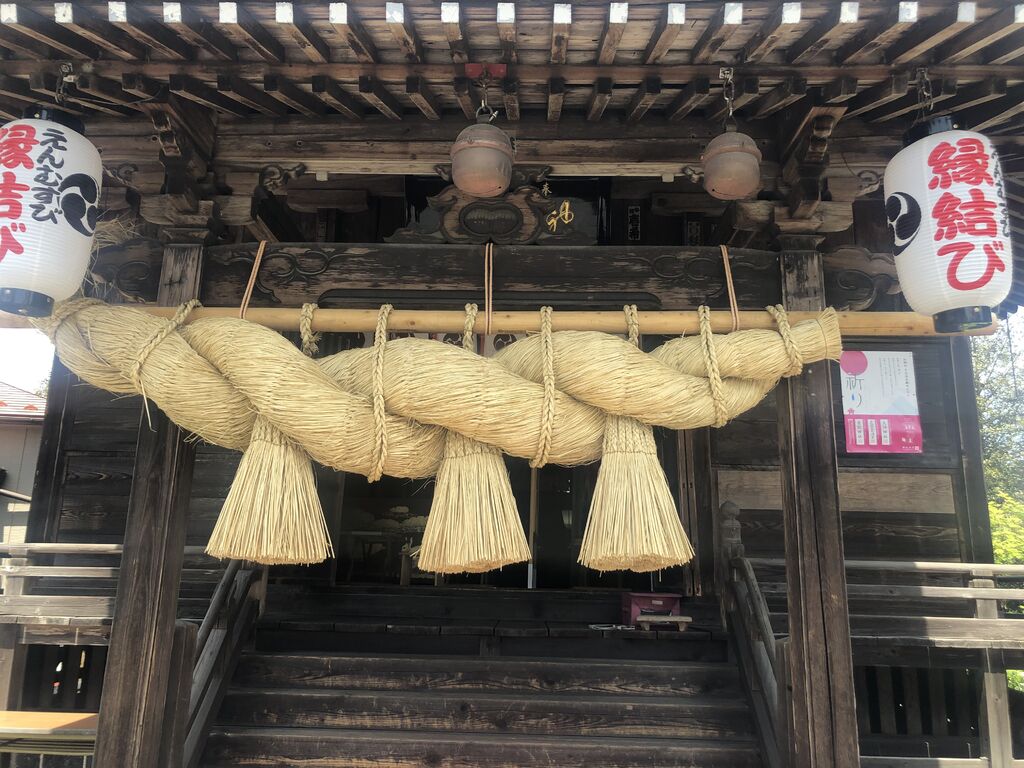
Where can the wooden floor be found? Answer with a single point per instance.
(479, 678)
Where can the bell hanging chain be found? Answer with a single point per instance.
(729, 94)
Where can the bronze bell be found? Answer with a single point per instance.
(732, 166)
(482, 160)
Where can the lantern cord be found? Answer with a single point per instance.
(488, 287)
(247, 295)
(925, 97)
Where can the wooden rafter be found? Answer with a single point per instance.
(840, 90)
(876, 36)
(996, 112)
(249, 96)
(292, 18)
(467, 96)
(292, 96)
(451, 21)
(103, 89)
(236, 17)
(397, 17)
(378, 97)
(931, 33)
(781, 96)
(688, 99)
(644, 98)
(771, 32)
(747, 89)
(599, 98)
(336, 97)
(510, 98)
(726, 21)
(86, 24)
(505, 18)
(983, 34)
(196, 90)
(561, 26)
(556, 97)
(184, 20)
(419, 93)
(21, 18)
(944, 89)
(618, 16)
(348, 28)
(672, 22)
(974, 95)
(830, 27)
(131, 19)
(877, 95)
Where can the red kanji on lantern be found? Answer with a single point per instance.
(960, 251)
(16, 142)
(967, 162)
(8, 242)
(10, 195)
(954, 216)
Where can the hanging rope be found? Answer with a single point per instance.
(467, 329)
(730, 289)
(155, 340)
(711, 366)
(548, 411)
(380, 425)
(488, 287)
(310, 340)
(253, 273)
(796, 359)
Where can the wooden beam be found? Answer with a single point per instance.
(136, 682)
(931, 33)
(128, 17)
(23, 91)
(196, 90)
(348, 28)
(747, 89)
(377, 96)
(26, 46)
(11, 110)
(335, 96)
(819, 704)
(142, 87)
(235, 17)
(599, 98)
(510, 97)
(294, 21)
(84, 23)
(45, 84)
(878, 35)
(771, 32)
(781, 96)
(249, 96)
(832, 25)
(467, 96)
(981, 35)
(1006, 50)
(691, 97)
(561, 23)
(289, 94)
(505, 18)
(618, 16)
(877, 95)
(104, 90)
(556, 96)
(420, 94)
(397, 17)
(727, 19)
(28, 22)
(911, 103)
(644, 98)
(184, 20)
(840, 90)
(973, 95)
(996, 112)
(451, 21)
(672, 22)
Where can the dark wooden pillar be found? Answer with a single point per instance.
(820, 693)
(134, 712)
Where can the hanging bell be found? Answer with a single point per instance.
(732, 166)
(482, 160)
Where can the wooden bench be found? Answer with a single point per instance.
(644, 621)
(49, 733)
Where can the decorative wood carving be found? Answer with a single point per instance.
(131, 269)
(857, 279)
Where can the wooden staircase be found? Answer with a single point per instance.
(317, 689)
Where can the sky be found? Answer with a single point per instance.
(26, 356)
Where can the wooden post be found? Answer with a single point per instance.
(730, 545)
(996, 735)
(134, 713)
(823, 718)
(12, 651)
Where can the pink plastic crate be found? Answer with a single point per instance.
(635, 603)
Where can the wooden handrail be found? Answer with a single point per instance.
(910, 566)
(220, 595)
(53, 548)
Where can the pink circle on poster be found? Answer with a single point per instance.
(853, 363)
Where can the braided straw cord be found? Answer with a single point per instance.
(468, 326)
(548, 412)
(632, 324)
(711, 366)
(155, 340)
(310, 340)
(796, 358)
(380, 424)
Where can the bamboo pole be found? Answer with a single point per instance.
(452, 321)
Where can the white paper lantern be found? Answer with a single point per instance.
(946, 208)
(50, 178)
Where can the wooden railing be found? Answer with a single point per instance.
(762, 647)
(203, 655)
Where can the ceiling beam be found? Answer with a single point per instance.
(510, 97)
(974, 95)
(618, 16)
(781, 96)
(397, 17)
(672, 22)
(834, 24)
(467, 96)
(85, 23)
(644, 98)
(689, 99)
(142, 87)
(58, 36)
(196, 90)
(747, 89)
(771, 32)
(983, 34)
(931, 33)
(104, 90)
(128, 17)
(505, 18)
(996, 112)
(871, 98)
(184, 20)
(599, 98)
(1006, 50)
(336, 97)
(348, 28)
(727, 20)
(877, 35)
(911, 102)
(249, 96)
(556, 96)
(378, 97)
(561, 26)
(29, 47)
(234, 16)
(289, 94)
(451, 21)
(840, 90)
(419, 93)
(293, 20)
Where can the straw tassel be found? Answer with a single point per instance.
(474, 524)
(272, 513)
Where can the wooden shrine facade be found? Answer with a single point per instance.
(323, 129)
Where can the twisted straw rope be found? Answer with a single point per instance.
(310, 340)
(213, 376)
(380, 424)
(548, 376)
